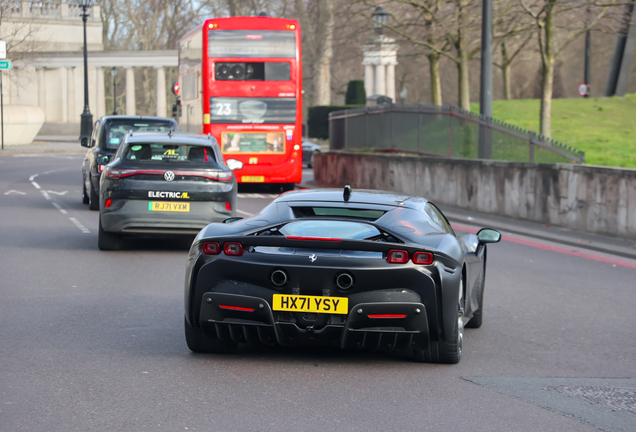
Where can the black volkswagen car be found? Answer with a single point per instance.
(164, 184)
(108, 133)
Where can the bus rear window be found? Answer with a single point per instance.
(251, 43)
(252, 110)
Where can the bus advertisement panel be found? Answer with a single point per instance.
(240, 79)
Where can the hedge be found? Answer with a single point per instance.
(355, 93)
(318, 119)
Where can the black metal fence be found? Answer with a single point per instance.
(446, 131)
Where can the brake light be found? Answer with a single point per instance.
(238, 308)
(112, 173)
(211, 248)
(422, 258)
(313, 238)
(397, 256)
(228, 206)
(388, 316)
(108, 203)
(101, 167)
(234, 249)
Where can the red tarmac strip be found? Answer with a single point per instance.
(589, 255)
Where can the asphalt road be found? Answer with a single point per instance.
(93, 341)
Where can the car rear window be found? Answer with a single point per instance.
(162, 153)
(330, 229)
(304, 212)
(119, 128)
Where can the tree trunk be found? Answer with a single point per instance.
(322, 67)
(547, 59)
(462, 64)
(436, 85)
(506, 71)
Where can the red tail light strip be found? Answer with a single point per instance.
(313, 238)
(238, 308)
(217, 176)
(388, 316)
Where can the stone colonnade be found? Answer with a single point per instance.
(71, 92)
(380, 58)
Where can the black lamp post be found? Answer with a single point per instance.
(113, 73)
(379, 19)
(86, 125)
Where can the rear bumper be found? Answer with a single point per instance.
(133, 217)
(240, 318)
(283, 173)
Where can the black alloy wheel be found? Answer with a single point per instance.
(106, 240)
(93, 202)
(85, 197)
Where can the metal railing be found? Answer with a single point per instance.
(444, 131)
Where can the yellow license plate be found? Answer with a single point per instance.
(252, 179)
(315, 304)
(168, 206)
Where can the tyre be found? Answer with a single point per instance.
(85, 198)
(200, 342)
(450, 350)
(93, 202)
(477, 319)
(106, 240)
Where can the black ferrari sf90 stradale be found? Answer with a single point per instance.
(351, 269)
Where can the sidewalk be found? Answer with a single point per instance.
(617, 246)
(62, 146)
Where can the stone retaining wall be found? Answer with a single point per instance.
(587, 198)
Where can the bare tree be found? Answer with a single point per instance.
(555, 30)
(317, 24)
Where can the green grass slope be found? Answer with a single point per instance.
(604, 128)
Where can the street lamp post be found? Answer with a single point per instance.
(113, 73)
(379, 19)
(86, 125)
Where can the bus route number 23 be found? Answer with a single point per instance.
(223, 109)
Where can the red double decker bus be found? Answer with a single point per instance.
(240, 79)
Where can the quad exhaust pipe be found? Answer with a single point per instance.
(278, 278)
(344, 281)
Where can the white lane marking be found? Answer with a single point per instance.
(57, 193)
(33, 176)
(37, 186)
(244, 212)
(46, 195)
(59, 207)
(80, 226)
(15, 192)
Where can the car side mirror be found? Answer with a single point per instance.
(488, 235)
(232, 219)
(103, 160)
(84, 142)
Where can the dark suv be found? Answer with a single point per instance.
(108, 133)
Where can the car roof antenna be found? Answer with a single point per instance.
(346, 193)
(170, 134)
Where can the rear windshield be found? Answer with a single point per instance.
(162, 153)
(119, 128)
(303, 212)
(251, 43)
(330, 229)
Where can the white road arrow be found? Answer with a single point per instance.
(57, 193)
(15, 192)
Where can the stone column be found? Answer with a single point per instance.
(369, 77)
(130, 91)
(42, 91)
(63, 80)
(100, 106)
(380, 79)
(71, 116)
(390, 81)
(161, 92)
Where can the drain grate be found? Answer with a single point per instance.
(615, 398)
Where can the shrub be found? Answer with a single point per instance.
(355, 93)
